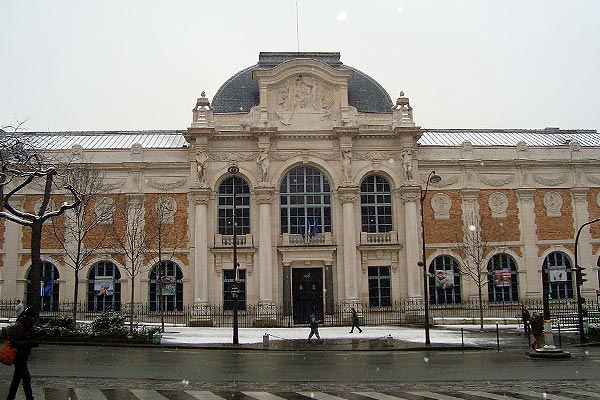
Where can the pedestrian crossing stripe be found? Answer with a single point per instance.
(41, 393)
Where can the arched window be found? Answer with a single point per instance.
(557, 266)
(502, 278)
(49, 287)
(242, 198)
(444, 281)
(305, 201)
(170, 287)
(376, 205)
(104, 287)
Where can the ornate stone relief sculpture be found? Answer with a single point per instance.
(496, 180)
(498, 203)
(553, 203)
(347, 164)
(166, 207)
(303, 94)
(550, 180)
(263, 161)
(441, 204)
(165, 186)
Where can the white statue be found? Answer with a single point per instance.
(407, 164)
(201, 159)
(346, 164)
(263, 164)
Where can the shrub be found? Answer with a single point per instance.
(593, 334)
(109, 324)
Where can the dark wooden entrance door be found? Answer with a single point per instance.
(307, 293)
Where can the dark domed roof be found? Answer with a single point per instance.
(240, 92)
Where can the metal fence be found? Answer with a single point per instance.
(563, 312)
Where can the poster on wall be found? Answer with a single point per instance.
(502, 277)
(444, 280)
(557, 273)
(103, 286)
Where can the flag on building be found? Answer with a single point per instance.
(309, 231)
(315, 227)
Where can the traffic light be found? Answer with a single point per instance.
(579, 275)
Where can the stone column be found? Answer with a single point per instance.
(470, 210)
(135, 216)
(264, 196)
(348, 195)
(410, 196)
(201, 198)
(531, 263)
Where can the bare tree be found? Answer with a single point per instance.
(133, 242)
(162, 226)
(86, 225)
(474, 248)
(21, 169)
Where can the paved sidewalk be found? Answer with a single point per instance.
(338, 338)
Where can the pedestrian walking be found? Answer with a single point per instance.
(355, 321)
(537, 328)
(314, 327)
(19, 308)
(525, 316)
(21, 336)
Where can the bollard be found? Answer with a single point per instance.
(462, 337)
(389, 340)
(497, 338)
(266, 341)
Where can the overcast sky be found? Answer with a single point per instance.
(139, 65)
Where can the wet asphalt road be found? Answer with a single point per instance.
(213, 365)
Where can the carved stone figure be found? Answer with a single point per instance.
(347, 164)
(263, 162)
(201, 159)
(407, 164)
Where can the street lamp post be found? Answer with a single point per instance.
(233, 170)
(433, 178)
(579, 282)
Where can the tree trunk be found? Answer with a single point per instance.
(76, 293)
(36, 266)
(131, 306)
(480, 305)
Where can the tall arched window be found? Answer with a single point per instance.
(444, 281)
(376, 205)
(502, 278)
(49, 287)
(169, 287)
(104, 287)
(305, 200)
(558, 269)
(242, 207)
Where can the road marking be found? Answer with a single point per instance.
(548, 396)
(433, 395)
(147, 394)
(379, 396)
(88, 394)
(486, 395)
(263, 396)
(320, 396)
(203, 395)
(583, 392)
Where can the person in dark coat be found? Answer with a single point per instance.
(314, 327)
(21, 336)
(525, 316)
(355, 321)
(537, 328)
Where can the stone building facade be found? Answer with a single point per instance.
(331, 174)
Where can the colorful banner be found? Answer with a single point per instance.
(103, 286)
(168, 284)
(502, 277)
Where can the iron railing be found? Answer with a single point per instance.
(563, 312)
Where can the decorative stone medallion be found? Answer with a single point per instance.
(498, 203)
(441, 204)
(553, 203)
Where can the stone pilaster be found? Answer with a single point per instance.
(348, 196)
(584, 252)
(532, 285)
(201, 198)
(264, 197)
(410, 196)
(14, 281)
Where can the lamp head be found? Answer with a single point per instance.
(434, 178)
